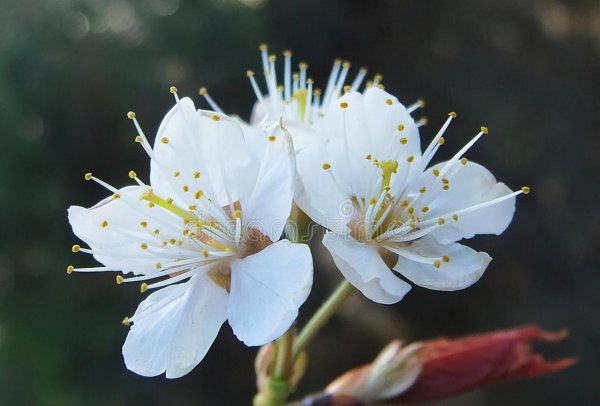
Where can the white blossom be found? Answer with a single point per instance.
(206, 231)
(390, 213)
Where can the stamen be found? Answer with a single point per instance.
(255, 87)
(358, 79)
(204, 92)
(287, 76)
(479, 206)
(418, 104)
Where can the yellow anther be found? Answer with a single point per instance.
(198, 194)
(205, 253)
(164, 140)
(403, 140)
(378, 77)
(326, 166)
(272, 58)
(172, 241)
(373, 201)
(88, 176)
(116, 196)
(410, 159)
(446, 187)
(131, 115)
(437, 264)
(445, 181)
(272, 138)
(411, 210)
(156, 231)
(452, 114)
(484, 130)
(464, 161)
(176, 174)
(150, 204)
(185, 232)
(132, 174)
(287, 52)
(144, 246)
(125, 321)
(526, 190)
(104, 224)
(423, 189)
(75, 248)
(347, 88)
(143, 287)
(249, 73)
(441, 221)
(441, 141)
(173, 89)
(120, 279)
(138, 139)
(421, 103)
(158, 265)
(215, 117)
(303, 65)
(400, 127)
(169, 200)
(368, 157)
(405, 203)
(380, 86)
(237, 214)
(70, 269)
(186, 188)
(387, 168)
(389, 102)
(436, 172)
(263, 47)
(202, 91)
(196, 175)
(346, 64)
(344, 105)
(455, 217)
(446, 258)
(425, 209)
(317, 92)
(296, 76)
(143, 224)
(192, 207)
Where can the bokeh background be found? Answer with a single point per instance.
(70, 70)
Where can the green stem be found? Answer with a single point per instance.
(283, 360)
(322, 316)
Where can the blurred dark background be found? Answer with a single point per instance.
(70, 70)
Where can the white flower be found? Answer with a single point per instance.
(365, 179)
(206, 231)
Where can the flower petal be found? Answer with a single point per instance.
(364, 268)
(269, 204)
(207, 151)
(113, 230)
(471, 184)
(464, 268)
(267, 289)
(174, 327)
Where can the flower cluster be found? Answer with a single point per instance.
(207, 227)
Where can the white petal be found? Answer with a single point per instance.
(112, 230)
(363, 267)
(383, 119)
(174, 328)
(267, 289)
(464, 268)
(472, 184)
(268, 206)
(318, 195)
(204, 142)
